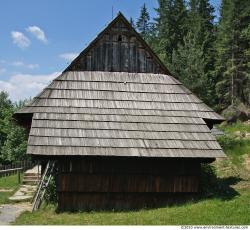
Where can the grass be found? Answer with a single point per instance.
(4, 197)
(238, 126)
(236, 147)
(8, 183)
(227, 204)
(214, 211)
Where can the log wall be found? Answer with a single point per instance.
(113, 182)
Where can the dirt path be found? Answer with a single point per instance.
(9, 212)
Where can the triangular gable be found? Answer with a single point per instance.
(118, 48)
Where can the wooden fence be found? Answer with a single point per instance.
(15, 168)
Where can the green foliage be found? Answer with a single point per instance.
(208, 179)
(13, 138)
(193, 60)
(144, 26)
(233, 50)
(171, 27)
(189, 65)
(14, 148)
(6, 110)
(183, 37)
(142, 23)
(238, 126)
(229, 141)
(234, 142)
(132, 22)
(203, 54)
(236, 146)
(50, 196)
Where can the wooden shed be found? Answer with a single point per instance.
(123, 131)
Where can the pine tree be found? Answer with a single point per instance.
(233, 53)
(132, 22)
(189, 57)
(171, 28)
(143, 24)
(205, 38)
(197, 52)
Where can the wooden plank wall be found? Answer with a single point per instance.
(113, 182)
(119, 201)
(118, 50)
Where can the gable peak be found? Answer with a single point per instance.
(118, 48)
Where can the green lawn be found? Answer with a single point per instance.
(211, 211)
(8, 183)
(4, 197)
(227, 202)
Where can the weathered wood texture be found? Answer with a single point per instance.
(118, 99)
(120, 114)
(103, 182)
(118, 48)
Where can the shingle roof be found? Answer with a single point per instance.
(120, 114)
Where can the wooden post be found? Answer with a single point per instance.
(38, 164)
(19, 176)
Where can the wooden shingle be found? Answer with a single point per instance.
(120, 114)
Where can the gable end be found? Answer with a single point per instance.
(118, 48)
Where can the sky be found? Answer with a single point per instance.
(39, 38)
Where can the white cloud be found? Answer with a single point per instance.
(22, 64)
(38, 33)
(21, 86)
(68, 56)
(20, 39)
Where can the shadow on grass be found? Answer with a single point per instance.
(212, 187)
(216, 187)
(221, 189)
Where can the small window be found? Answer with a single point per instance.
(119, 38)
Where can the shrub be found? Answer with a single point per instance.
(229, 141)
(208, 179)
(50, 195)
